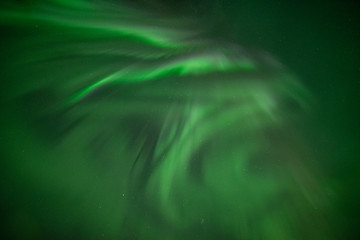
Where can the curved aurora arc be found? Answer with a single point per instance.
(136, 127)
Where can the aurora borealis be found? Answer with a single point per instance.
(125, 123)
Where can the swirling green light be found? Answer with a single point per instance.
(166, 137)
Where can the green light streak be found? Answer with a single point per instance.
(126, 126)
(94, 21)
(191, 66)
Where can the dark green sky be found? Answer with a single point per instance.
(316, 40)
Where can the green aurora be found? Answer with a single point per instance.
(131, 125)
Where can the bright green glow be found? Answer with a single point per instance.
(194, 65)
(126, 128)
(113, 25)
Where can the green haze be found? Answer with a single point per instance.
(122, 124)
